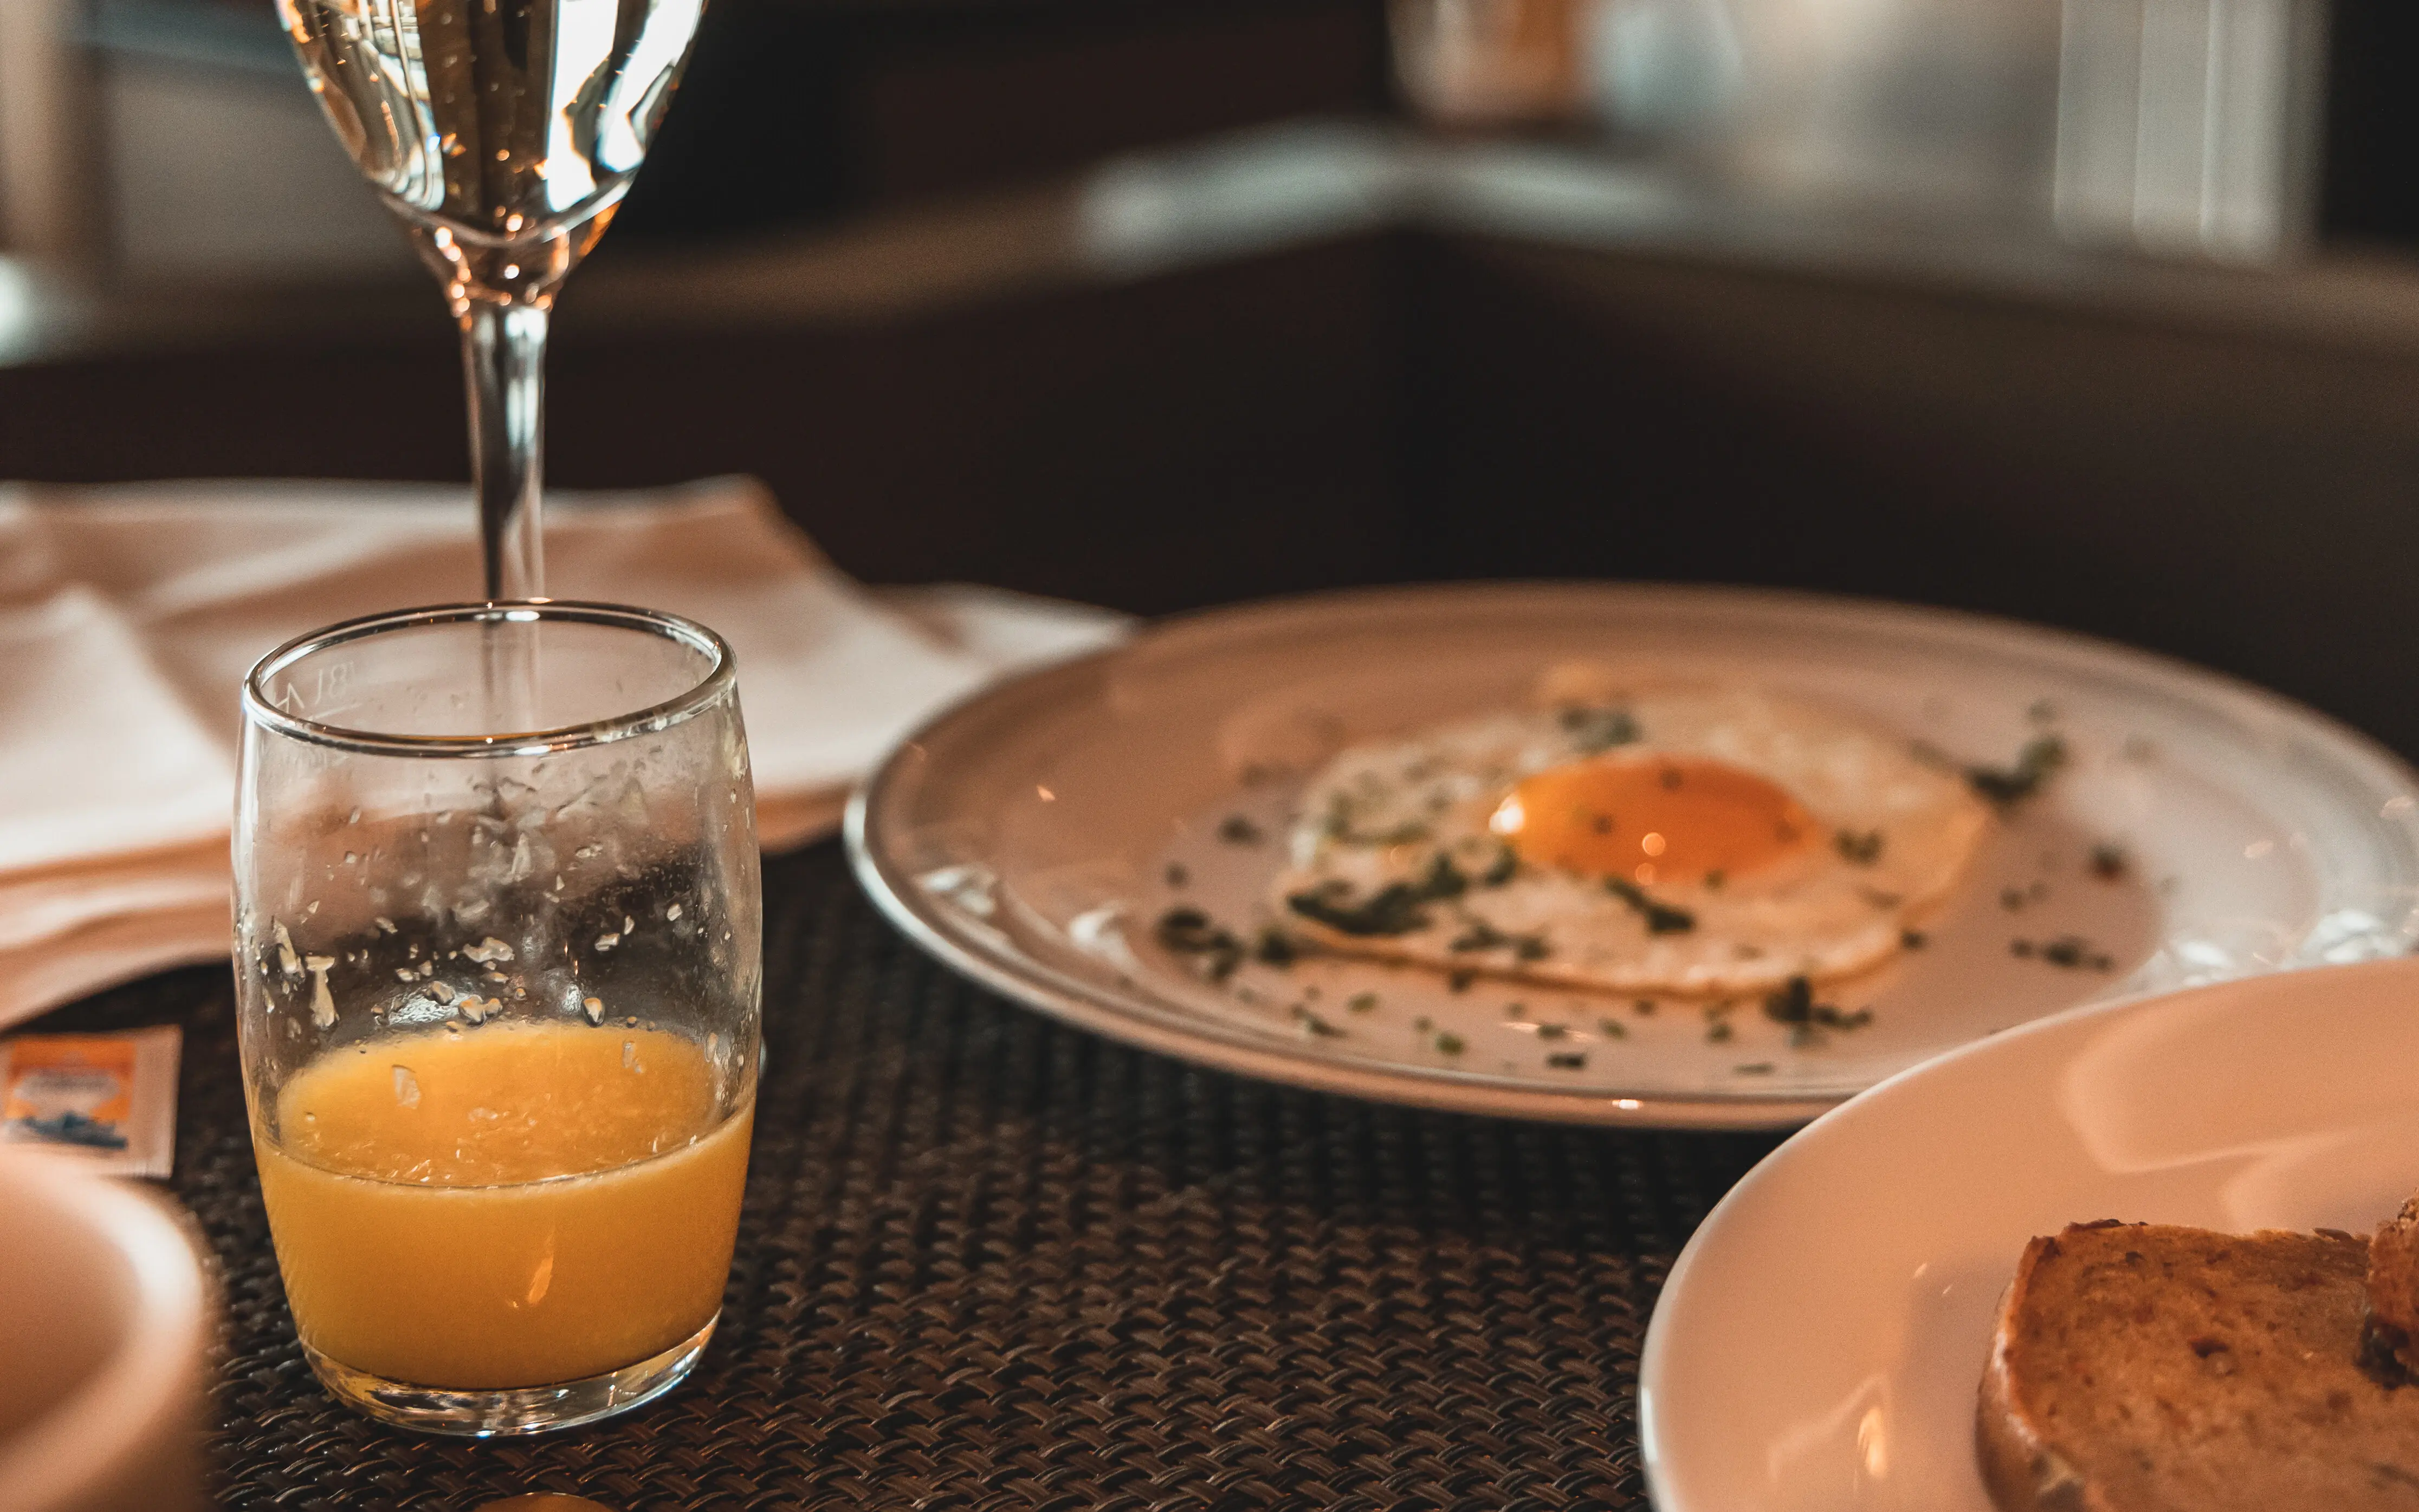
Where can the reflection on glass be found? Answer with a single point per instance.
(503, 132)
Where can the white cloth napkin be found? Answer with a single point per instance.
(130, 614)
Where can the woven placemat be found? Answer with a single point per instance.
(987, 1262)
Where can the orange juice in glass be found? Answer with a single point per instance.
(499, 941)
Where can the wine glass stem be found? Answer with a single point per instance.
(503, 365)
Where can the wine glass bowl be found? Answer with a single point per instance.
(503, 134)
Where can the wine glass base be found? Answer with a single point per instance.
(481, 1414)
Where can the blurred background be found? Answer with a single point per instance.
(2102, 313)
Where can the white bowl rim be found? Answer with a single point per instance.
(71, 1449)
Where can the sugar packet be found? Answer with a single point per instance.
(106, 1101)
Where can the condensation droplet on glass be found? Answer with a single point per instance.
(587, 853)
(323, 1005)
(594, 1008)
(503, 154)
(474, 1010)
(310, 1117)
(453, 1029)
(406, 1087)
(352, 860)
(673, 912)
(628, 924)
(386, 926)
(405, 973)
(488, 951)
(629, 1055)
(630, 1021)
(608, 941)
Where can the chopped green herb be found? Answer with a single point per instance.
(1643, 1007)
(1795, 1008)
(1361, 1002)
(1189, 932)
(2072, 952)
(1754, 1068)
(1662, 917)
(2011, 898)
(1714, 880)
(2109, 861)
(1450, 1043)
(1237, 831)
(1858, 850)
(1397, 908)
(1598, 729)
(1717, 1032)
(1914, 938)
(1313, 1026)
(1500, 870)
(1568, 1060)
(1424, 1023)
(2008, 786)
(1275, 947)
(1176, 875)
(1554, 1031)
(1611, 1028)
(1477, 933)
(1340, 825)
(1459, 981)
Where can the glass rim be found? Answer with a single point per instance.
(718, 679)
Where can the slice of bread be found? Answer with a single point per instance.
(2391, 1342)
(2141, 1367)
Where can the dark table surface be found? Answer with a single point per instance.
(989, 1261)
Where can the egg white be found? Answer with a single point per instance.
(1392, 856)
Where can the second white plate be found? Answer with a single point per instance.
(1820, 1343)
(1035, 835)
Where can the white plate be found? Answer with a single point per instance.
(1025, 837)
(1821, 1339)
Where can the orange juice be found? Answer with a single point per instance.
(513, 1205)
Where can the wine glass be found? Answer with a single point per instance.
(504, 132)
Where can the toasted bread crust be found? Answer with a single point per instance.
(2150, 1368)
(2022, 1471)
(2394, 1290)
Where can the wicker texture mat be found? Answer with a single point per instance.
(990, 1262)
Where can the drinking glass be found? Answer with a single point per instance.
(504, 132)
(498, 991)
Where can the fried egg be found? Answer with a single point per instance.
(1690, 840)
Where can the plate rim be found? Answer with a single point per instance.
(1100, 1010)
(1655, 1345)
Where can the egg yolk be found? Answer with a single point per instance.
(1660, 818)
